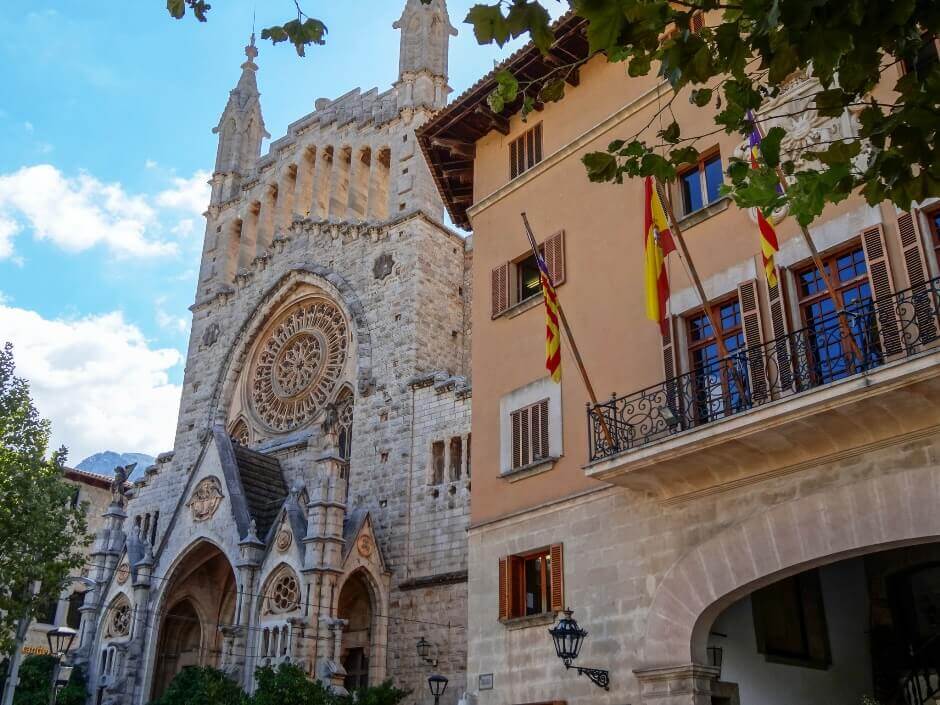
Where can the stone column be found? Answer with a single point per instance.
(266, 220)
(285, 199)
(303, 184)
(677, 685)
(378, 185)
(242, 669)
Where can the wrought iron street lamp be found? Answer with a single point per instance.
(425, 648)
(60, 642)
(438, 684)
(568, 638)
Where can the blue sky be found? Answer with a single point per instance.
(105, 145)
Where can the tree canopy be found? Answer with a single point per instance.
(35, 678)
(37, 517)
(740, 58)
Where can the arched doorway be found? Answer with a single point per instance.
(199, 597)
(785, 561)
(356, 606)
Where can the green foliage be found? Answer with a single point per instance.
(32, 494)
(197, 685)
(36, 681)
(285, 685)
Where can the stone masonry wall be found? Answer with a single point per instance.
(619, 546)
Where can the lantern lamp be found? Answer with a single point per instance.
(568, 637)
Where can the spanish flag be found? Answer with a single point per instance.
(552, 335)
(768, 236)
(658, 244)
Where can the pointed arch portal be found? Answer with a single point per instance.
(200, 596)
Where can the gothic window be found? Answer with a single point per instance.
(344, 410)
(437, 462)
(284, 593)
(299, 364)
(240, 434)
(456, 451)
(119, 619)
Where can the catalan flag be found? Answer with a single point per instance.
(552, 334)
(768, 236)
(658, 243)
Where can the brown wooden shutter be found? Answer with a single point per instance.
(915, 262)
(525, 436)
(538, 142)
(505, 588)
(882, 285)
(530, 149)
(698, 21)
(555, 257)
(542, 447)
(513, 169)
(500, 289)
(557, 601)
(516, 430)
(671, 366)
(781, 352)
(753, 339)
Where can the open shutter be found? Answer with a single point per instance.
(915, 262)
(542, 432)
(504, 587)
(513, 156)
(671, 367)
(555, 257)
(753, 340)
(516, 430)
(558, 578)
(500, 287)
(538, 142)
(780, 330)
(882, 285)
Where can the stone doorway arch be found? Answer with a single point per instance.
(362, 652)
(856, 519)
(199, 597)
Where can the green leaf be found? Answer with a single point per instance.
(553, 91)
(601, 166)
(671, 133)
(176, 8)
(701, 97)
(770, 146)
(489, 25)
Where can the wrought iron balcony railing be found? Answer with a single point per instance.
(886, 330)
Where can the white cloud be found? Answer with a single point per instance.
(184, 227)
(28, 126)
(190, 194)
(78, 213)
(169, 321)
(97, 379)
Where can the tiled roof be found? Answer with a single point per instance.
(263, 484)
(88, 478)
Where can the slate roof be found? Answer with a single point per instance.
(263, 484)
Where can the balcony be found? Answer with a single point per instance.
(806, 398)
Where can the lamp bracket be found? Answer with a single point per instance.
(597, 676)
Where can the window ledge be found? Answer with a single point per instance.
(519, 308)
(534, 620)
(529, 470)
(703, 214)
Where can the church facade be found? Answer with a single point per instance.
(314, 508)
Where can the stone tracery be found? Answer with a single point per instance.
(299, 364)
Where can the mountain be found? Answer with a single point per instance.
(104, 463)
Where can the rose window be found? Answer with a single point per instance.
(284, 594)
(299, 365)
(121, 620)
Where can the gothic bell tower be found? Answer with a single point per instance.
(240, 130)
(425, 42)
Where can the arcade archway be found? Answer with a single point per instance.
(200, 596)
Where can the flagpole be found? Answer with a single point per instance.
(690, 268)
(574, 346)
(817, 261)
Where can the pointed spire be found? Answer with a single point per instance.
(248, 84)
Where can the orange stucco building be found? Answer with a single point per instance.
(755, 529)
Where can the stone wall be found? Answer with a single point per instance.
(625, 555)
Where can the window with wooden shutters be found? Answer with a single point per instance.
(915, 263)
(671, 368)
(500, 289)
(531, 584)
(520, 280)
(779, 329)
(753, 339)
(882, 286)
(525, 151)
(529, 434)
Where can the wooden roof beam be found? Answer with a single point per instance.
(493, 121)
(455, 147)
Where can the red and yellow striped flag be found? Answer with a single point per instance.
(658, 243)
(768, 236)
(552, 334)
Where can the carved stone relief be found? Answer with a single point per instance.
(205, 499)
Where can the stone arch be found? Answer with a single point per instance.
(335, 286)
(240, 432)
(274, 599)
(198, 596)
(345, 403)
(119, 618)
(361, 601)
(842, 522)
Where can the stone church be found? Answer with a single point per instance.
(314, 508)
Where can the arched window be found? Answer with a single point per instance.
(240, 434)
(344, 411)
(119, 619)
